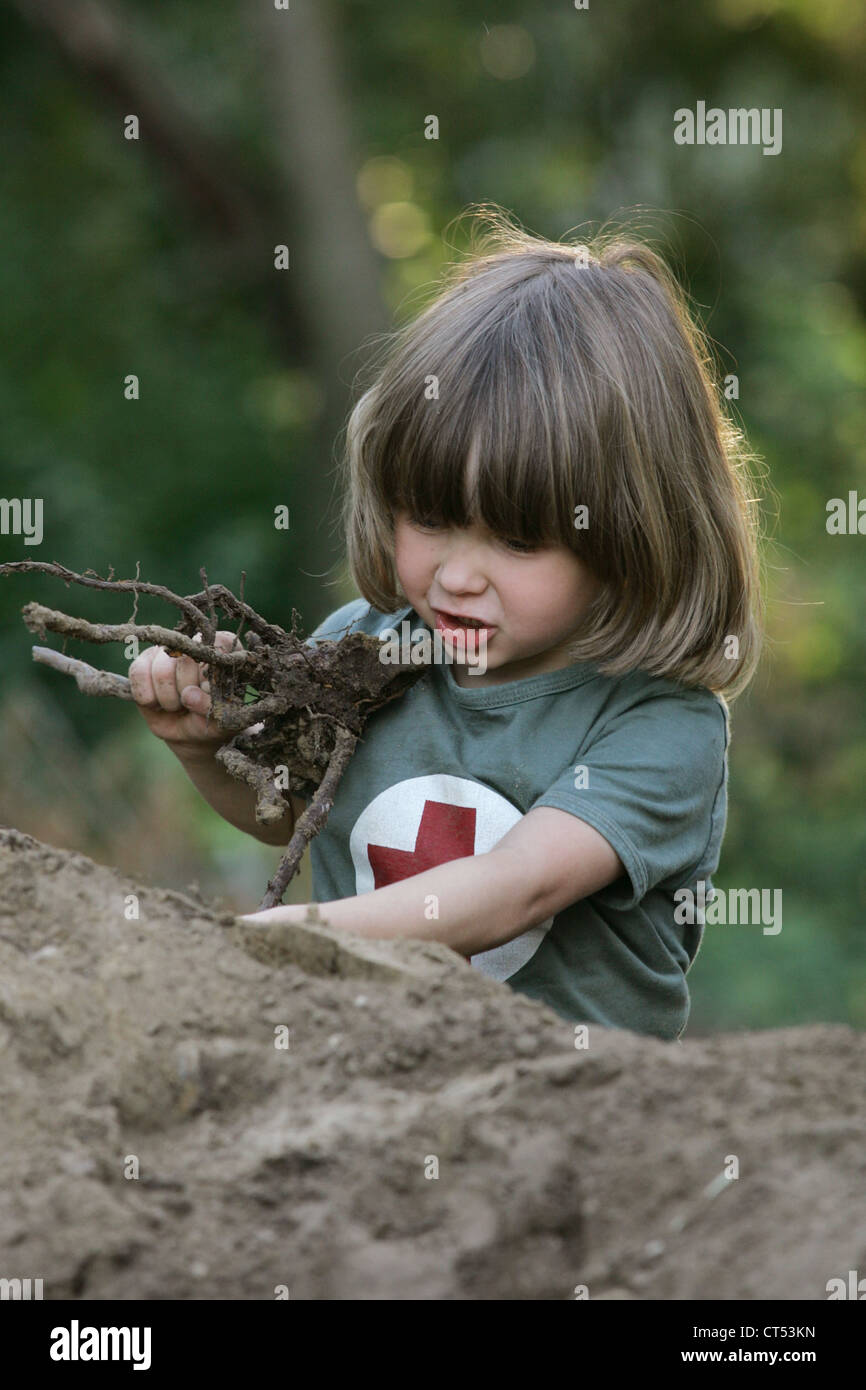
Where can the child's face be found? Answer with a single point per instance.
(531, 602)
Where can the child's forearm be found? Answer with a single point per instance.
(470, 904)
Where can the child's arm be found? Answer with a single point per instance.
(548, 860)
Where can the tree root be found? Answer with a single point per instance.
(293, 714)
(89, 680)
(313, 818)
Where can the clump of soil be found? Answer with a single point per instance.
(148, 1044)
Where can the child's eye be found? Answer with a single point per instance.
(521, 547)
(430, 523)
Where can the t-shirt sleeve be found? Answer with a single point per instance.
(341, 621)
(654, 784)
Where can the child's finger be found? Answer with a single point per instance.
(187, 672)
(192, 697)
(140, 680)
(162, 673)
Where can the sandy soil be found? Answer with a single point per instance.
(153, 1041)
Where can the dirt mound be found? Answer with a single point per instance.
(157, 1045)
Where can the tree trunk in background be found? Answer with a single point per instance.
(333, 266)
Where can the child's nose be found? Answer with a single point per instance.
(462, 566)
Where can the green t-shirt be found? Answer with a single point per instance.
(445, 771)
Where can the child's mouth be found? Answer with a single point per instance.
(450, 622)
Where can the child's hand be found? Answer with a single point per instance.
(173, 694)
(306, 913)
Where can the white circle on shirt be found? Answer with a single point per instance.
(423, 821)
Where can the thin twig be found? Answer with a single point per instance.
(210, 634)
(92, 581)
(240, 627)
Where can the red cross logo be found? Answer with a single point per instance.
(445, 833)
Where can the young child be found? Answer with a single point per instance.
(544, 453)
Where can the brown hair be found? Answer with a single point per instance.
(575, 375)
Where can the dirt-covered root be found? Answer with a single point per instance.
(294, 713)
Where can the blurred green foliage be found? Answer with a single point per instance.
(566, 118)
